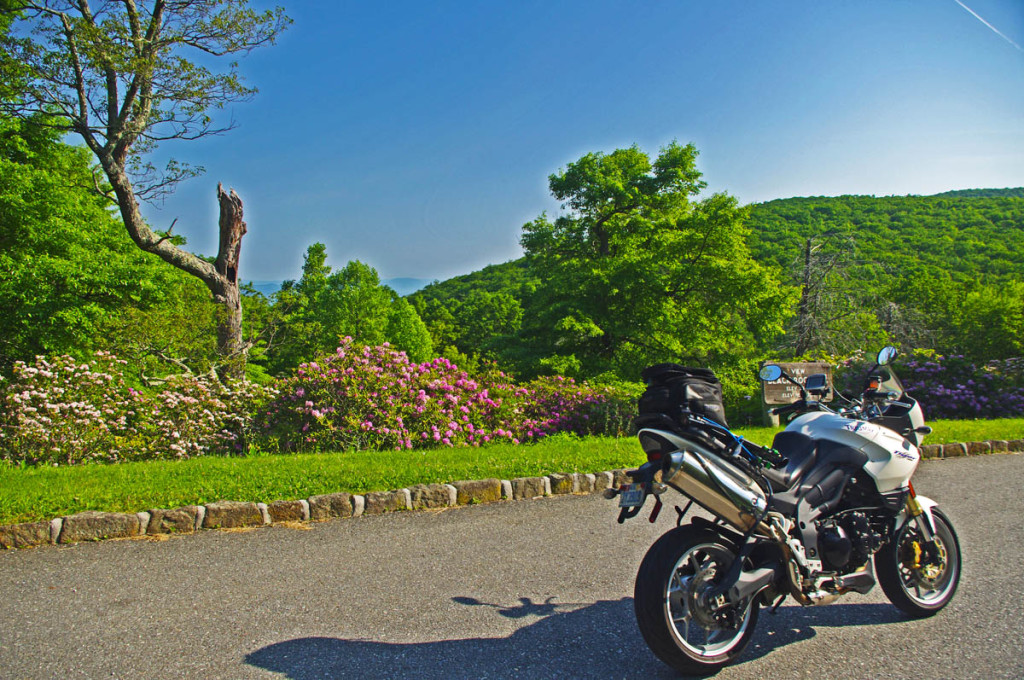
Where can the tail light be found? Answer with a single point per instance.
(655, 446)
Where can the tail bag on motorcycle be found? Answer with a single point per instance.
(673, 390)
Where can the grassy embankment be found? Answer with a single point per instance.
(28, 494)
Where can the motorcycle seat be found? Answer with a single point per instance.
(800, 452)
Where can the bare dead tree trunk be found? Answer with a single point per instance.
(221, 277)
(226, 292)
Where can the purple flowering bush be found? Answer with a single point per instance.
(66, 411)
(947, 387)
(376, 398)
(954, 387)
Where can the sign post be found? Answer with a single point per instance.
(782, 391)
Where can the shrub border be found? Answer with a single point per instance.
(94, 526)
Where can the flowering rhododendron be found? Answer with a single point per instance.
(63, 411)
(954, 387)
(375, 397)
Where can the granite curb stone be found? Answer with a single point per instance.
(978, 448)
(954, 450)
(183, 520)
(92, 525)
(287, 511)
(232, 515)
(330, 505)
(525, 488)
(379, 502)
(24, 535)
(431, 496)
(477, 491)
(562, 484)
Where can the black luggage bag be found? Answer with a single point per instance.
(672, 390)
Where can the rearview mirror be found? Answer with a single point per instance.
(886, 355)
(770, 373)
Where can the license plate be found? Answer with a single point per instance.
(632, 496)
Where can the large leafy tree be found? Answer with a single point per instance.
(126, 77)
(66, 266)
(638, 270)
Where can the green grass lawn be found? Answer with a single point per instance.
(28, 494)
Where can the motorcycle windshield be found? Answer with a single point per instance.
(890, 382)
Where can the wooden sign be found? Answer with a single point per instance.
(782, 391)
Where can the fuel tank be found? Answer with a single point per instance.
(712, 481)
(892, 459)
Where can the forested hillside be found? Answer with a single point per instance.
(973, 236)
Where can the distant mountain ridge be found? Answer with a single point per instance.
(1017, 192)
(402, 285)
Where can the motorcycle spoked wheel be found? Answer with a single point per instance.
(915, 582)
(688, 631)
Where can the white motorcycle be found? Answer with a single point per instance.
(822, 512)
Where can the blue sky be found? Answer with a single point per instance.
(418, 136)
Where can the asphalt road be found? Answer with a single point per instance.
(538, 589)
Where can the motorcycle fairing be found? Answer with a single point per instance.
(891, 459)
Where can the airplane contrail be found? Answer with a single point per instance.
(994, 29)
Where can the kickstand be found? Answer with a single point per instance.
(682, 513)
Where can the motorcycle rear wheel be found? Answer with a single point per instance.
(690, 632)
(912, 581)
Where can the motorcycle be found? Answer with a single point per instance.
(824, 511)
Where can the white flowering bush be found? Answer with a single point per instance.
(66, 411)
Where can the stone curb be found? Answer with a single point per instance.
(94, 526)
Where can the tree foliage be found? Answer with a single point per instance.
(916, 266)
(67, 268)
(639, 271)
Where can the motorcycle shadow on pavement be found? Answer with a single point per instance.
(598, 640)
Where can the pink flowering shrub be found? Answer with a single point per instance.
(65, 411)
(376, 398)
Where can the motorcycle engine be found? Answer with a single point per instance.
(846, 544)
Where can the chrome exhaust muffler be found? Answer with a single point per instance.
(714, 483)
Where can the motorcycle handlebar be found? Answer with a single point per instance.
(787, 408)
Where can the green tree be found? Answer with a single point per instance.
(639, 271)
(66, 266)
(125, 78)
(407, 332)
(993, 323)
(486, 322)
(312, 314)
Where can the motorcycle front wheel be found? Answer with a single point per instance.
(918, 577)
(684, 626)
